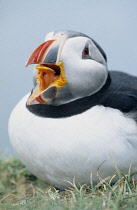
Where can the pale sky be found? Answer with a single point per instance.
(24, 24)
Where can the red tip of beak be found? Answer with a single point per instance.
(38, 54)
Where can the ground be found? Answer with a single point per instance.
(19, 189)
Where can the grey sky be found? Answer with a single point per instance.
(24, 24)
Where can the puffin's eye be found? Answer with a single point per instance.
(85, 53)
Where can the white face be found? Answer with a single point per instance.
(85, 68)
(85, 75)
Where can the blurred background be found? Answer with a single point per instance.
(24, 24)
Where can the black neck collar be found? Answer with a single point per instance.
(75, 107)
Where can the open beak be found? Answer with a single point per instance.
(50, 74)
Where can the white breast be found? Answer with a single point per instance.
(61, 149)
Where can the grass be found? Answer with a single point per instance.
(19, 189)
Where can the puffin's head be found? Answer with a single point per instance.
(70, 65)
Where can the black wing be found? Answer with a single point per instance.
(122, 92)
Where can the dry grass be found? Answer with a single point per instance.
(19, 189)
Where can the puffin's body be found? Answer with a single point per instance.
(79, 118)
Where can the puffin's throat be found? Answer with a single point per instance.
(49, 78)
(46, 76)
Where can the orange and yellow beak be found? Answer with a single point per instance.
(50, 74)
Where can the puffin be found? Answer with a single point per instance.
(79, 121)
